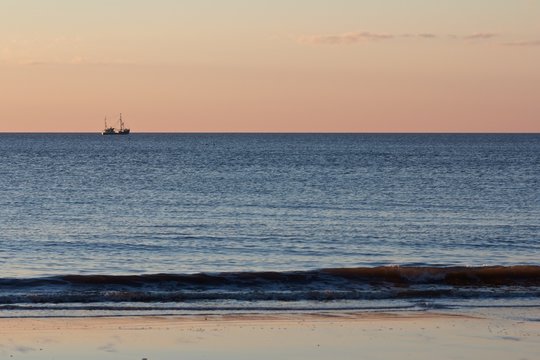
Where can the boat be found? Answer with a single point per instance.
(109, 130)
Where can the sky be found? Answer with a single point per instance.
(270, 65)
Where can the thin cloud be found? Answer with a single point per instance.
(75, 61)
(480, 36)
(523, 43)
(33, 63)
(345, 38)
(366, 36)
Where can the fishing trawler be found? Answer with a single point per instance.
(109, 130)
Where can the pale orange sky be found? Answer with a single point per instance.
(277, 66)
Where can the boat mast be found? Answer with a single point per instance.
(105, 122)
(121, 122)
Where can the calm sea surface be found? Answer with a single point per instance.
(86, 204)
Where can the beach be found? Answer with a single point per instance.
(278, 336)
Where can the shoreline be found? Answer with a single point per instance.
(424, 335)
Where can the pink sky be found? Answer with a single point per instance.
(311, 66)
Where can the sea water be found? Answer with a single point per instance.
(175, 223)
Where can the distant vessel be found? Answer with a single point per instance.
(109, 130)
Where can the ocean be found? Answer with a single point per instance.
(95, 225)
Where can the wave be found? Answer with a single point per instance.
(523, 275)
(390, 282)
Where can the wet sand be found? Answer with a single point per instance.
(338, 336)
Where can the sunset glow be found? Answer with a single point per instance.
(270, 66)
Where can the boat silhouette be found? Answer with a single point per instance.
(109, 130)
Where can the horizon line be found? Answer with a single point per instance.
(288, 132)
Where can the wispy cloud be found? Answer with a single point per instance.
(13, 56)
(345, 38)
(480, 36)
(49, 51)
(366, 36)
(427, 36)
(76, 61)
(523, 43)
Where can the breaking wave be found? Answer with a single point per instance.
(377, 283)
